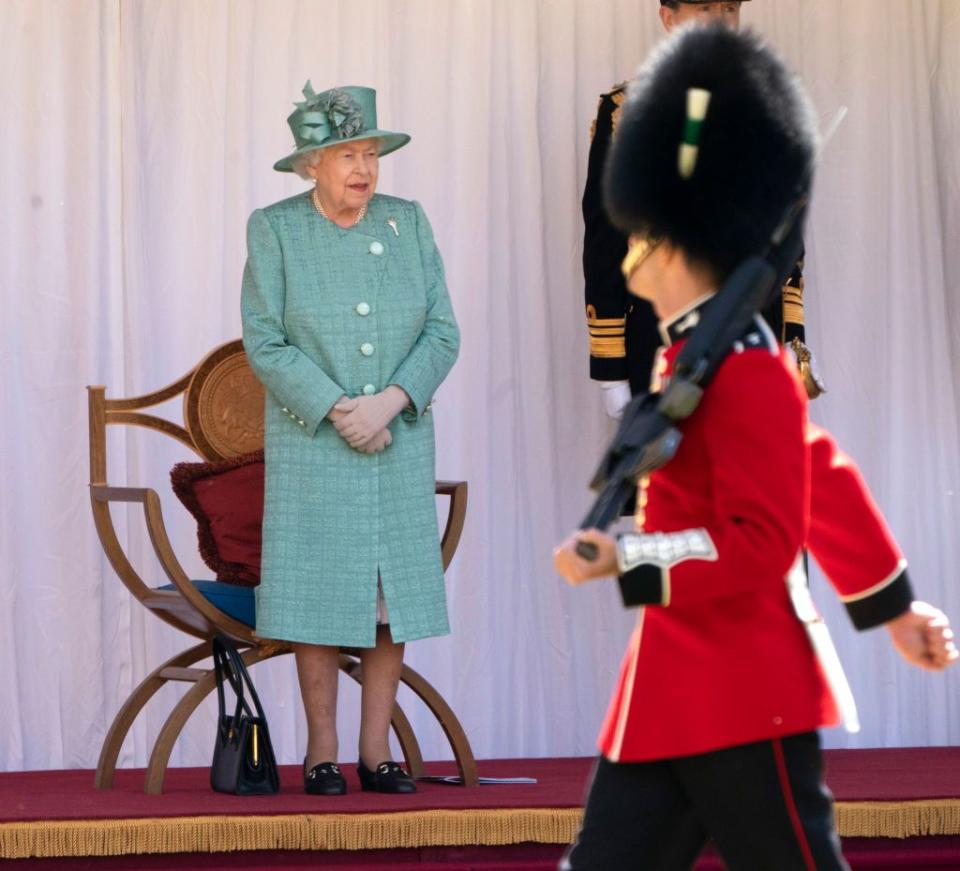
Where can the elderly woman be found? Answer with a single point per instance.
(348, 324)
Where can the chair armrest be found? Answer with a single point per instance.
(102, 495)
(178, 577)
(153, 516)
(456, 515)
(106, 493)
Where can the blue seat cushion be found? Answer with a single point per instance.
(237, 602)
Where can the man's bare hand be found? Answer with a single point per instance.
(575, 569)
(923, 637)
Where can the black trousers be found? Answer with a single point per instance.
(764, 805)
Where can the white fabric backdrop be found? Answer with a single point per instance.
(138, 136)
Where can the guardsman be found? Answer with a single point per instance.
(712, 729)
(623, 329)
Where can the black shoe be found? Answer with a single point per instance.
(389, 777)
(324, 779)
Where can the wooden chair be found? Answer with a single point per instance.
(223, 417)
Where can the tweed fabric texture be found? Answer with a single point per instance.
(315, 297)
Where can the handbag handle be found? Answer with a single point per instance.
(228, 663)
(240, 669)
(223, 670)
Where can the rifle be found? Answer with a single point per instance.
(648, 436)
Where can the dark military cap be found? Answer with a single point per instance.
(716, 187)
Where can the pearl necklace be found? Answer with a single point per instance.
(319, 207)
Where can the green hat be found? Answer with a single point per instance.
(334, 117)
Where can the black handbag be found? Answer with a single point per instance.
(243, 760)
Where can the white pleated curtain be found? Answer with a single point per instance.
(138, 135)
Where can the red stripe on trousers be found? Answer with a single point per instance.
(791, 805)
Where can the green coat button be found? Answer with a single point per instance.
(376, 248)
(366, 349)
(369, 390)
(363, 309)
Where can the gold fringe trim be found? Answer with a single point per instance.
(391, 831)
(222, 834)
(898, 819)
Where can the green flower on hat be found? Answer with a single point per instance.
(333, 117)
(341, 112)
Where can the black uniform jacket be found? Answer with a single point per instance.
(623, 329)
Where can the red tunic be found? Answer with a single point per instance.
(718, 657)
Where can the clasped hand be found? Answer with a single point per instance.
(362, 422)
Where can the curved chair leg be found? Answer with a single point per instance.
(448, 722)
(181, 712)
(409, 745)
(163, 747)
(131, 708)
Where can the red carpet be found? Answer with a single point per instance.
(901, 774)
(52, 814)
(69, 795)
(853, 775)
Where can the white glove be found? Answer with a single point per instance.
(366, 416)
(616, 395)
(378, 443)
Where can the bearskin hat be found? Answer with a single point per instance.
(754, 151)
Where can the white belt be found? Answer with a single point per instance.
(822, 644)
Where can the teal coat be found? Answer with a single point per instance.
(326, 312)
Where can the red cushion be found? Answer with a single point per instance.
(226, 498)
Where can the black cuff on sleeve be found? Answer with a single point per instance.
(890, 602)
(608, 368)
(642, 586)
